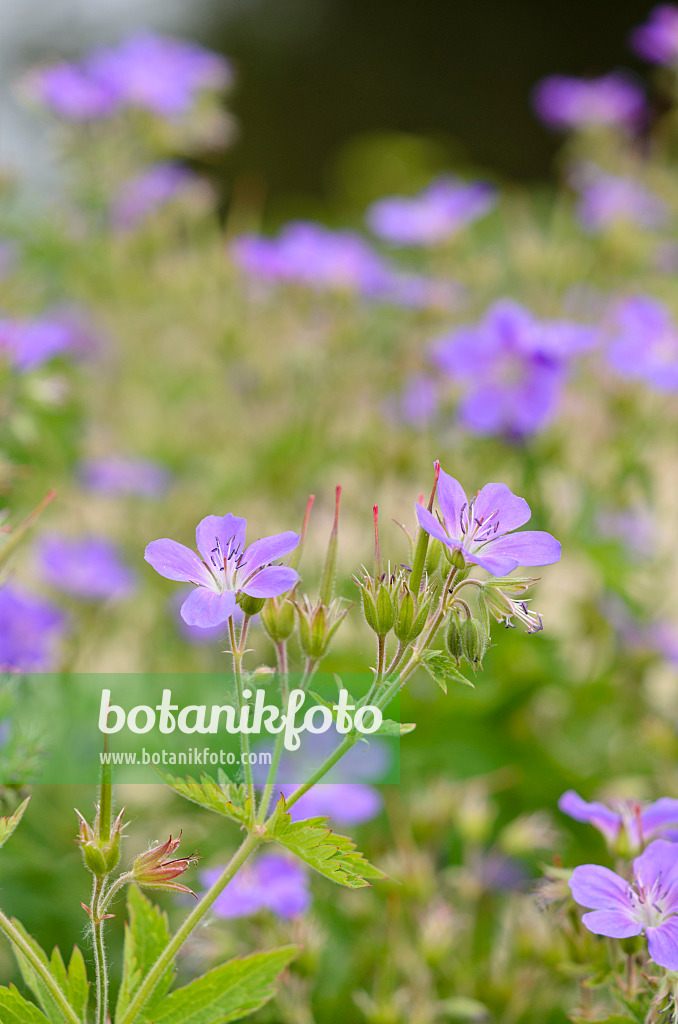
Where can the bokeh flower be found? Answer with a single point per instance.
(30, 630)
(28, 343)
(89, 568)
(438, 212)
(417, 404)
(657, 39)
(154, 188)
(225, 568)
(566, 103)
(482, 528)
(511, 367)
(609, 199)
(644, 342)
(272, 882)
(639, 824)
(116, 475)
(620, 909)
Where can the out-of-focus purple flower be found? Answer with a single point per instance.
(498, 873)
(271, 882)
(345, 803)
(440, 211)
(657, 39)
(116, 475)
(482, 529)
(30, 629)
(27, 344)
(633, 527)
(620, 910)
(644, 342)
(511, 366)
(149, 191)
(639, 824)
(89, 568)
(663, 637)
(418, 402)
(609, 199)
(564, 102)
(225, 568)
(309, 254)
(151, 72)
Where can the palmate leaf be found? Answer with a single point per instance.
(443, 670)
(14, 1009)
(227, 798)
(334, 856)
(226, 993)
(72, 981)
(146, 935)
(8, 825)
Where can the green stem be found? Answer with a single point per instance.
(99, 951)
(337, 754)
(419, 561)
(379, 674)
(281, 651)
(43, 972)
(119, 883)
(145, 991)
(237, 652)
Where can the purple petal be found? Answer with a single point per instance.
(430, 524)
(531, 547)
(269, 549)
(206, 608)
(599, 888)
(451, 498)
(271, 582)
(660, 858)
(513, 511)
(175, 561)
(596, 814)
(662, 944)
(219, 528)
(616, 924)
(346, 803)
(659, 815)
(495, 565)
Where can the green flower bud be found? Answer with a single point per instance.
(277, 618)
(94, 859)
(251, 605)
(433, 555)
(474, 641)
(454, 556)
(411, 616)
(370, 609)
(386, 612)
(454, 638)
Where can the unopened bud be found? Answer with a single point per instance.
(277, 618)
(474, 641)
(313, 633)
(251, 605)
(454, 556)
(410, 617)
(100, 856)
(433, 555)
(454, 639)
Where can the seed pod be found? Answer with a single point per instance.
(433, 555)
(474, 641)
(386, 612)
(277, 618)
(454, 639)
(251, 605)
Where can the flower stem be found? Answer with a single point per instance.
(328, 763)
(43, 972)
(237, 652)
(145, 991)
(100, 965)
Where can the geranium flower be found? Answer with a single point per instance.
(153, 189)
(482, 527)
(30, 628)
(610, 199)
(645, 342)
(657, 39)
(565, 102)
(649, 904)
(115, 474)
(272, 882)
(89, 568)
(640, 824)
(225, 568)
(438, 212)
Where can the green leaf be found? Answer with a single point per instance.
(72, 982)
(334, 856)
(223, 797)
(32, 980)
(390, 728)
(226, 993)
(14, 1009)
(443, 670)
(146, 935)
(8, 825)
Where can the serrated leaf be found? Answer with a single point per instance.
(72, 982)
(32, 979)
(8, 825)
(227, 798)
(443, 670)
(14, 1009)
(332, 855)
(390, 728)
(146, 935)
(226, 993)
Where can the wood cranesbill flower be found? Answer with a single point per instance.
(657, 39)
(625, 820)
(272, 882)
(649, 903)
(576, 103)
(644, 342)
(225, 568)
(482, 528)
(437, 213)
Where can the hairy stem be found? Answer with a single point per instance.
(100, 966)
(42, 971)
(237, 652)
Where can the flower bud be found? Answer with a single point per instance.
(153, 870)
(251, 605)
(100, 856)
(317, 625)
(277, 618)
(411, 615)
(454, 638)
(454, 556)
(474, 641)
(433, 555)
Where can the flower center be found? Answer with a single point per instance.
(477, 529)
(649, 902)
(225, 563)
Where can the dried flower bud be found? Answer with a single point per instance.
(154, 870)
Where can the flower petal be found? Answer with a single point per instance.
(206, 608)
(596, 814)
(271, 582)
(617, 924)
(658, 816)
(599, 888)
(512, 510)
(659, 859)
(175, 561)
(269, 549)
(452, 499)
(219, 528)
(430, 524)
(496, 566)
(530, 547)
(662, 944)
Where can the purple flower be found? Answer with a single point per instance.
(417, 404)
(225, 568)
(620, 909)
(633, 527)
(644, 342)
(437, 213)
(640, 825)
(27, 344)
(482, 529)
(346, 803)
(272, 882)
(30, 628)
(565, 102)
(309, 254)
(512, 367)
(74, 92)
(609, 199)
(149, 191)
(89, 568)
(657, 40)
(117, 475)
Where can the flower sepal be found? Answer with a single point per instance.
(155, 869)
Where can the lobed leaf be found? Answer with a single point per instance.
(442, 669)
(227, 798)
(14, 1009)
(146, 935)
